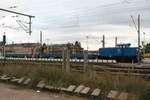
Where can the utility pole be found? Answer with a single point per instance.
(138, 31)
(139, 39)
(41, 36)
(87, 37)
(116, 41)
(30, 23)
(103, 41)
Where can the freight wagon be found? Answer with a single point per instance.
(52, 56)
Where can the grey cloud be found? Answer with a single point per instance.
(66, 20)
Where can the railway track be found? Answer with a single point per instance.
(112, 68)
(130, 71)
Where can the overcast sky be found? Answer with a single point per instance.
(65, 21)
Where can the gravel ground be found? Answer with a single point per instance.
(11, 92)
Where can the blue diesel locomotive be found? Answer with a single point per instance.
(121, 53)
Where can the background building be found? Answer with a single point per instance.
(37, 48)
(58, 48)
(27, 48)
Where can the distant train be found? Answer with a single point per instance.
(120, 53)
(147, 55)
(52, 56)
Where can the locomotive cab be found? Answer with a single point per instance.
(121, 53)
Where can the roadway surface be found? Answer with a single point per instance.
(11, 92)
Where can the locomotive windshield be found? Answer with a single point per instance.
(123, 45)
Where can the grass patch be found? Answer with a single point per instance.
(53, 76)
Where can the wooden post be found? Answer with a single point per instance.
(85, 61)
(67, 60)
(64, 59)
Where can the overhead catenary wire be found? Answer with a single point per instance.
(74, 24)
(107, 5)
(85, 15)
(134, 23)
(87, 9)
(112, 13)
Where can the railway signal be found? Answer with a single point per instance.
(4, 39)
(4, 42)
